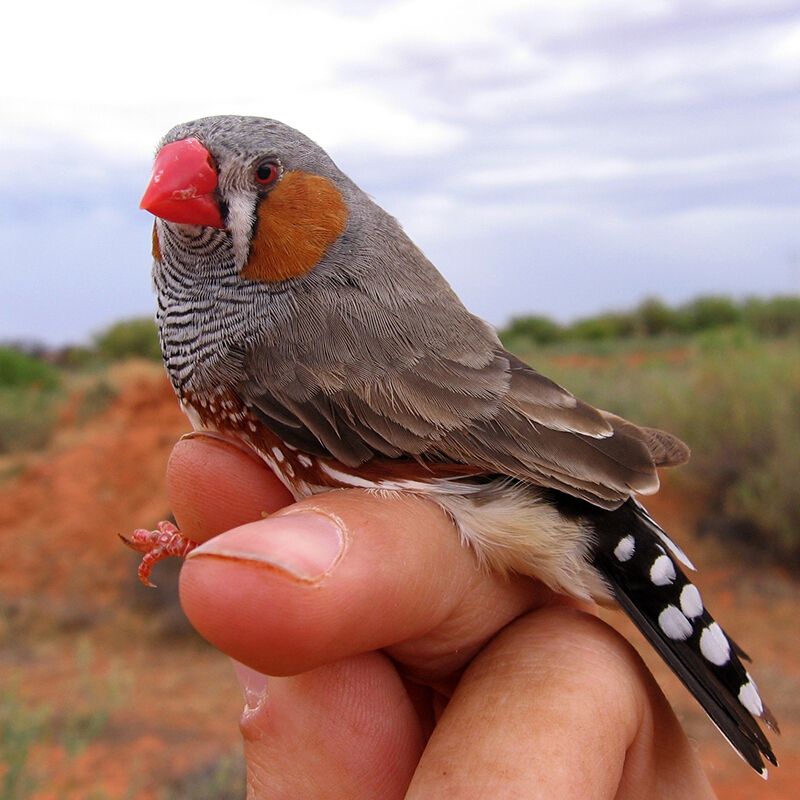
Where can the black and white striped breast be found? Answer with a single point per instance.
(205, 310)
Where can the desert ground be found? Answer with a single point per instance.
(105, 692)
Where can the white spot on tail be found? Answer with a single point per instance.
(691, 602)
(662, 572)
(624, 550)
(714, 645)
(304, 460)
(674, 624)
(750, 699)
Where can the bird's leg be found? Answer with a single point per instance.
(157, 545)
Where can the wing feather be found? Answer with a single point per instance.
(360, 377)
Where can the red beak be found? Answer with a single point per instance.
(182, 185)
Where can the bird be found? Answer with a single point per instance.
(296, 315)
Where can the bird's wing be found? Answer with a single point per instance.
(361, 390)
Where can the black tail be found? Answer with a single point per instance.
(668, 610)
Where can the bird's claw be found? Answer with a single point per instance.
(165, 541)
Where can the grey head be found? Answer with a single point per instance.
(336, 263)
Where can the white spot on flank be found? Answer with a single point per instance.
(750, 699)
(714, 645)
(278, 453)
(304, 460)
(624, 550)
(662, 572)
(691, 602)
(674, 624)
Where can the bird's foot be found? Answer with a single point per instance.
(165, 541)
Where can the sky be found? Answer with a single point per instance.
(558, 157)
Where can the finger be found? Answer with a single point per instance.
(347, 730)
(560, 706)
(343, 573)
(215, 484)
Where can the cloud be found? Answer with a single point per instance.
(548, 156)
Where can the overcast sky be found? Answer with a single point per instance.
(559, 157)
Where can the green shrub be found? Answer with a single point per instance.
(28, 395)
(775, 317)
(538, 329)
(655, 318)
(613, 325)
(710, 312)
(20, 370)
(779, 316)
(127, 339)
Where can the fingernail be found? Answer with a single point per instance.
(306, 544)
(253, 685)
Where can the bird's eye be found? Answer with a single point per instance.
(267, 172)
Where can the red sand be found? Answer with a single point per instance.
(72, 622)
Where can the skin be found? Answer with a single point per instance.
(407, 671)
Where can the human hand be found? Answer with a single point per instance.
(408, 672)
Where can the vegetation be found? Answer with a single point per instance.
(28, 393)
(778, 316)
(19, 370)
(222, 779)
(732, 397)
(132, 338)
(32, 381)
(25, 725)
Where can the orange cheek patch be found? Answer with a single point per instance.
(156, 245)
(297, 222)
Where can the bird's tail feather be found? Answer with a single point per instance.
(668, 610)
